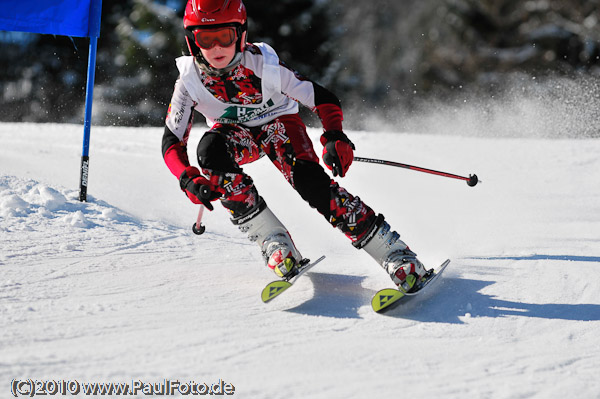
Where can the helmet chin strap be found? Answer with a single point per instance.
(211, 71)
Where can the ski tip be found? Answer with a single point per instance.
(273, 289)
(383, 299)
(443, 266)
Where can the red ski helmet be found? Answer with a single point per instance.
(211, 14)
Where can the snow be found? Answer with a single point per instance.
(119, 289)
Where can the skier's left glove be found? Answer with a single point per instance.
(338, 151)
(197, 187)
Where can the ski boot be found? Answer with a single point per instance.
(385, 246)
(278, 249)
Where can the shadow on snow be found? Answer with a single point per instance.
(335, 295)
(448, 301)
(573, 258)
(455, 297)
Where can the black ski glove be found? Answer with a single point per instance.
(197, 187)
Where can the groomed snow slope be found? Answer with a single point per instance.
(119, 289)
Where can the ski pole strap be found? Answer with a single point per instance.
(471, 180)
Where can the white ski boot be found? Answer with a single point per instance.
(385, 246)
(275, 242)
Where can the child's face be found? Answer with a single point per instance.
(219, 57)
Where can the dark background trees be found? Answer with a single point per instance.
(381, 57)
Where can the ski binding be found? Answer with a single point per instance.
(275, 288)
(388, 298)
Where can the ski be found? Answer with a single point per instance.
(275, 288)
(388, 298)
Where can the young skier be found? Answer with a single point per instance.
(250, 101)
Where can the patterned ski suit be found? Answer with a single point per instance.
(252, 111)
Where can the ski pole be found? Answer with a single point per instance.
(197, 227)
(472, 180)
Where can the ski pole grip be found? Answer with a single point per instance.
(205, 192)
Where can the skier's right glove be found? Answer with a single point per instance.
(197, 187)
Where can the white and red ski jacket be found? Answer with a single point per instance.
(257, 91)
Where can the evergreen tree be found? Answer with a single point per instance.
(481, 41)
(140, 64)
(375, 55)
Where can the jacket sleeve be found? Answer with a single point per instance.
(314, 96)
(178, 125)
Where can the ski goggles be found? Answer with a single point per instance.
(209, 38)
